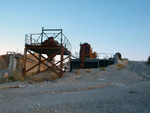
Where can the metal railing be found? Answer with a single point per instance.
(105, 55)
(36, 39)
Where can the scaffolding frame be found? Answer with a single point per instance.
(35, 46)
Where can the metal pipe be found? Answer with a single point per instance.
(42, 35)
(52, 29)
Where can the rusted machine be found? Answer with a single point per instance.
(86, 52)
(88, 59)
(50, 42)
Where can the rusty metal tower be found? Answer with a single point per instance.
(50, 43)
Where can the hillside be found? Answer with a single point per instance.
(117, 88)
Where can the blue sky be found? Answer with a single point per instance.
(110, 26)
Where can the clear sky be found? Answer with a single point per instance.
(110, 26)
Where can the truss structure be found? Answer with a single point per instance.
(33, 44)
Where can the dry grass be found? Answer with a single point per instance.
(9, 77)
(89, 71)
(120, 66)
(38, 78)
(54, 76)
(43, 77)
(32, 77)
(103, 68)
(18, 76)
(77, 72)
(21, 78)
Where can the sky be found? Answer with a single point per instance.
(109, 26)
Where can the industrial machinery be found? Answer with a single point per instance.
(86, 53)
(88, 59)
(50, 42)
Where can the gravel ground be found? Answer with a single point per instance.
(88, 91)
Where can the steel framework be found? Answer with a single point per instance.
(33, 44)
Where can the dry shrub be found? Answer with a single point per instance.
(2, 80)
(120, 66)
(9, 77)
(77, 72)
(103, 68)
(123, 62)
(43, 77)
(18, 76)
(21, 78)
(89, 71)
(54, 76)
(38, 78)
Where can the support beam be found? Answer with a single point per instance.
(61, 62)
(51, 51)
(36, 65)
(25, 58)
(82, 55)
(69, 62)
(54, 65)
(39, 67)
(51, 56)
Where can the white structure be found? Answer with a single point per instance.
(12, 61)
(117, 57)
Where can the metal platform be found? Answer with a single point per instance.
(63, 48)
(48, 50)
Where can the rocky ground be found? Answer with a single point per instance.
(117, 88)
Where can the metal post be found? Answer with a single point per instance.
(42, 35)
(61, 38)
(69, 62)
(98, 64)
(31, 39)
(25, 58)
(39, 64)
(82, 56)
(61, 62)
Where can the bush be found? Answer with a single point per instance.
(77, 72)
(54, 76)
(88, 71)
(103, 68)
(149, 60)
(120, 66)
(11, 78)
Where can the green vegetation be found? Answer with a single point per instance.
(11, 78)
